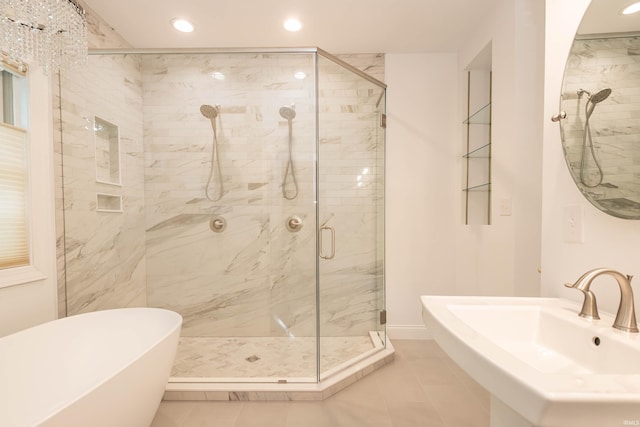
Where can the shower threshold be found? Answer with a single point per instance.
(279, 387)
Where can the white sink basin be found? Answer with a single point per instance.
(539, 358)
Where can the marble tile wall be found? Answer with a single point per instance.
(104, 251)
(256, 277)
(79, 93)
(593, 65)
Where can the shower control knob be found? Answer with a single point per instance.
(557, 117)
(294, 223)
(218, 224)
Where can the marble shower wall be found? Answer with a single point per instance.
(256, 278)
(100, 35)
(593, 65)
(104, 252)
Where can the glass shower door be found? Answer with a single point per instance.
(351, 215)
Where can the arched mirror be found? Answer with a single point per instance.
(601, 98)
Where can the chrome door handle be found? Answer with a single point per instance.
(333, 242)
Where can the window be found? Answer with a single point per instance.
(14, 223)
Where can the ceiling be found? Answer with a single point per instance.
(338, 26)
(604, 16)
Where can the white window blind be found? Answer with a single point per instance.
(14, 230)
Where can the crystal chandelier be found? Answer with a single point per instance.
(52, 33)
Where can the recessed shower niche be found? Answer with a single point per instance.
(107, 143)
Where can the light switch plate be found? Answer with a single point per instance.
(505, 206)
(573, 224)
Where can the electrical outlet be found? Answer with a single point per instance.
(573, 224)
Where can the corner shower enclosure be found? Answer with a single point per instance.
(242, 189)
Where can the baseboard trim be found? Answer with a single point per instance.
(408, 332)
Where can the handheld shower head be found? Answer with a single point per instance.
(288, 113)
(209, 111)
(600, 96)
(596, 97)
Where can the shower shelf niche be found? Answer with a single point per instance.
(107, 151)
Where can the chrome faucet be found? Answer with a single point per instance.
(626, 317)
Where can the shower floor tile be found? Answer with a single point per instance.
(269, 357)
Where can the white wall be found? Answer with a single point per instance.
(608, 241)
(28, 304)
(429, 251)
(503, 258)
(422, 184)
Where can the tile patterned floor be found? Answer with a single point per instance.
(422, 387)
(250, 357)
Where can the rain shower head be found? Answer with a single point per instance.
(288, 113)
(209, 111)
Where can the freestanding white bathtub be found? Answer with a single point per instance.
(102, 369)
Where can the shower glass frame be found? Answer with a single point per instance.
(373, 307)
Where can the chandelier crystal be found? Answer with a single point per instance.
(52, 33)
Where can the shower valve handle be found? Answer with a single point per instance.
(218, 224)
(294, 223)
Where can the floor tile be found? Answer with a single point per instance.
(422, 387)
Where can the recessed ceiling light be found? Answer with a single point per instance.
(292, 24)
(300, 75)
(182, 25)
(217, 75)
(632, 8)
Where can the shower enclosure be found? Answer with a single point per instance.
(242, 189)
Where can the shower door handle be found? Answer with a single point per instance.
(333, 242)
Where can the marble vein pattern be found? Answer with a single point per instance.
(104, 251)
(257, 277)
(100, 35)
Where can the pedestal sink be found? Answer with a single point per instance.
(543, 365)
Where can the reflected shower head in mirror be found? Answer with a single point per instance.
(210, 112)
(288, 113)
(600, 96)
(596, 97)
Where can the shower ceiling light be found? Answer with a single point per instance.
(182, 25)
(52, 33)
(292, 24)
(632, 8)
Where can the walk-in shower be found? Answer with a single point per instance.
(251, 201)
